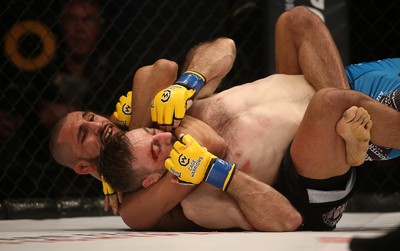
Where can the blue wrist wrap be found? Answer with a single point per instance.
(192, 79)
(218, 174)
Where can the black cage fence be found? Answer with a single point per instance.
(50, 66)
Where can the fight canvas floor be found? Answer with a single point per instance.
(110, 233)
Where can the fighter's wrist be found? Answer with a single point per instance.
(220, 173)
(192, 79)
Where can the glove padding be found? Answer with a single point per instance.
(107, 189)
(123, 110)
(169, 105)
(192, 163)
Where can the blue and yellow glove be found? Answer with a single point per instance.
(123, 110)
(171, 103)
(192, 164)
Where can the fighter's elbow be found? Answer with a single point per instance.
(292, 221)
(228, 43)
(288, 221)
(166, 65)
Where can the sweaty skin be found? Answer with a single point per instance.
(254, 134)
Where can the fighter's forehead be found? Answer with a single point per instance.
(71, 123)
(79, 116)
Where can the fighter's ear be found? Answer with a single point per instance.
(151, 179)
(84, 167)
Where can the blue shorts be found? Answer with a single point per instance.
(381, 81)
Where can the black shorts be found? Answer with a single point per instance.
(321, 203)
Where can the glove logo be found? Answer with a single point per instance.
(165, 96)
(126, 109)
(194, 165)
(183, 160)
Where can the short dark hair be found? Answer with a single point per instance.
(115, 164)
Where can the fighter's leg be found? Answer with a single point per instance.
(379, 80)
(318, 151)
(304, 45)
(354, 128)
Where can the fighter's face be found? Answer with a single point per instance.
(86, 133)
(81, 25)
(150, 148)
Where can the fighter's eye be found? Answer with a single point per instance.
(152, 132)
(84, 135)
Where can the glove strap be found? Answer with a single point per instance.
(220, 174)
(192, 79)
(107, 189)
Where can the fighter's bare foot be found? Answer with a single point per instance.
(354, 127)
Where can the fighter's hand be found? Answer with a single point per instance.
(169, 105)
(113, 200)
(123, 111)
(192, 163)
(111, 197)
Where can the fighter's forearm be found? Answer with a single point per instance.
(213, 60)
(147, 82)
(145, 209)
(264, 207)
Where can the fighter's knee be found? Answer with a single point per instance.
(299, 20)
(328, 98)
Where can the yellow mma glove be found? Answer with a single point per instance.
(107, 189)
(123, 110)
(192, 164)
(171, 103)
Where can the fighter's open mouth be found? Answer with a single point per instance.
(107, 134)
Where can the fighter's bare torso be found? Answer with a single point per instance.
(258, 120)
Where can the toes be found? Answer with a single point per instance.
(364, 116)
(350, 114)
(368, 126)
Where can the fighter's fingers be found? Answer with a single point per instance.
(187, 139)
(173, 154)
(167, 128)
(114, 203)
(169, 165)
(167, 116)
(189, 103)
(180, 111)
(106, 204)
(120, 196)
(177, 146)
(177, 122)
